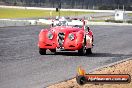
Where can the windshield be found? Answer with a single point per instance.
(78, 26)
(62, 23)
(73, 23)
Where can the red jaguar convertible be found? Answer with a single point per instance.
(66, 37)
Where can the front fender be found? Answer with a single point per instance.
(80, 36)
(43, 35)
(44, 42)
(75, 44)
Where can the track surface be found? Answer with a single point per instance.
(21, 66)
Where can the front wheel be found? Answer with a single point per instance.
(53, 50)
(82, 51)
(42, 51)
(89, 51)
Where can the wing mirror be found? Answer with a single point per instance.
(52, 25)
(87, 29)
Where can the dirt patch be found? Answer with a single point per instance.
(121, 68)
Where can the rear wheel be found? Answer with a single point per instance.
(42, 51)
(89, 51)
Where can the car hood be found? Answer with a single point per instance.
(65, 29)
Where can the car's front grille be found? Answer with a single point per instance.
(61, 37)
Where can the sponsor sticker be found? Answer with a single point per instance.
(83, 78)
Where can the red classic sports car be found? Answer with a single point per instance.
(66, 38)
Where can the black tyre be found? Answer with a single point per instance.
(42, 51)
(89, 51)
(81, 80)
(53, 50)
(82, 51)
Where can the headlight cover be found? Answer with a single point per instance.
(71, 36)
(50, 35)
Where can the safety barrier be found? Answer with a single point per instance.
(10, 22)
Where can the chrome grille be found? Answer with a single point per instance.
(61, 37)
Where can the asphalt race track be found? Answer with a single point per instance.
(21, 66)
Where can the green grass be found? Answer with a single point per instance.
(129, 14)
(25, 13)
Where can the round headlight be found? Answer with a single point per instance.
(71, 36)
(50, 35)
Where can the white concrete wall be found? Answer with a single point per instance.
(9, 22)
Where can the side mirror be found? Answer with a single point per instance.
(87, 29)
(52, 25)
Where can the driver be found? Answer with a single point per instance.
(62, 22)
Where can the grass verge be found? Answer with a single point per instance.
(26, 13)
(129, 14)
